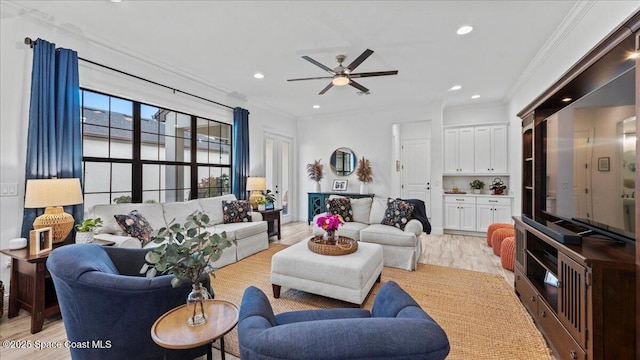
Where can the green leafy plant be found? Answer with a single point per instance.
(124, 199)
(88, 225)
(262, 201)
(476, 184)
(270, 197)
(188, 251)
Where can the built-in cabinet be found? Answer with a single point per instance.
(477, 150)
(475, 213)
(491, 152)
(458, 151)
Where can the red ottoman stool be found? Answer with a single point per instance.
(494, 227)
(498, 236)
(508, 252)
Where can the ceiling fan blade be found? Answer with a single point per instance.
(312, 78)
(326, 89)
(360, 59)
(359, 87)
(375, 73)
(326, 68)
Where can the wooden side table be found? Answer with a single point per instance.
(31, 287)
(271, 216)
(172, 332)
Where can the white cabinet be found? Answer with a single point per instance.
(491, 210)
(491, 149)
(460, 213)
(458, 151)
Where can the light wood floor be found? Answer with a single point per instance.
(465, 252)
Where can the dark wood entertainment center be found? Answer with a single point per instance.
(592, 311)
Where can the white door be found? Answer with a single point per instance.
(278, 162)
(582, 173)
(416, 171)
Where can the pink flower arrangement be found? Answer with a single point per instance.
(329, 222)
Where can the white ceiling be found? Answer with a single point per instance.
(224, 43)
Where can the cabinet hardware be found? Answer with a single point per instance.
(543, 313)
(533, 298)
(574, 354)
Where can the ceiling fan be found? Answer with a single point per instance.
(342, 76)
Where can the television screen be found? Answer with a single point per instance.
(591, 158)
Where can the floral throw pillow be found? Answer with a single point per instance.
(340, 206)
(236, 211)
(398, 213)
(135, 225)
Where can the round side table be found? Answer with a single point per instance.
(172, 332)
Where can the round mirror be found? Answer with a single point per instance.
(343, 161)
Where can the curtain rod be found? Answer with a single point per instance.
(32, 43)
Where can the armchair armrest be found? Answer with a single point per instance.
(256, 216)
(320, 314)
(413, 226)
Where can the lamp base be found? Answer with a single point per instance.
(59, 221)
(253, 199)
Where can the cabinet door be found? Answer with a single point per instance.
(468, 217)
(502, 213)
(466, 150)
(484, 217)
(482, 149)
(572, 298)
(452, 216)
(451, 151)
(499, 149)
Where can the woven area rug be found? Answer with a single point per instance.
(479, 312)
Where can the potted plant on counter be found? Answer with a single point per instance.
(85, 229)
(497, 187)
(477, 186)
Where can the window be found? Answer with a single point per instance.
(135, 152)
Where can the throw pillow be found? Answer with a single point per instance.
(235, 211)
(398, 213)
(135, 225)
(340, 206)
(361, 209)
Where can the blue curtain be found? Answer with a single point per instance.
(240, 161)
(54, 141)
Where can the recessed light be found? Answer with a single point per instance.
(316, 106)
(258, 76)
(455, 87)
(567, 99)
(633, 55)
(116, 1)
(475, 96)
(465, 29)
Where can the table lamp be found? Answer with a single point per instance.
(53, 194)
(256, 185)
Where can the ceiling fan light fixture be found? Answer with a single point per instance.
(340, 80)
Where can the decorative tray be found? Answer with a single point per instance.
(344, 246)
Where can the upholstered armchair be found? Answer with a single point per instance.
(108, 307)
(396, 328)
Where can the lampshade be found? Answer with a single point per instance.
(340, 80)
(42, 193)
(53, 194)
(256, 183)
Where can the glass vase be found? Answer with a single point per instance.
(329, 236)
(195, 305)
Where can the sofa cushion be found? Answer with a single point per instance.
(213, 207)
(152, 212)
(387, 235)
(361, 209)
(178, 211)
(398, 213)
(378, 208)
(351, 230)
(236, 211)
(240, 230)
(135, 225)
(340, 206)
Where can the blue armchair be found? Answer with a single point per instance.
(108, 307)
(396, 328)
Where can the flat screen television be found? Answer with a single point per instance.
(590, 154)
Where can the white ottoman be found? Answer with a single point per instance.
(345, 277)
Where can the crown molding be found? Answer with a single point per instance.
(579, 10)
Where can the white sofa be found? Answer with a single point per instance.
(400, 248)
(250, 237)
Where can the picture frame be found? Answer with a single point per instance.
(340, 185)
(604, 163)
(40, 241)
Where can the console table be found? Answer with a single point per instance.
(316, 201)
